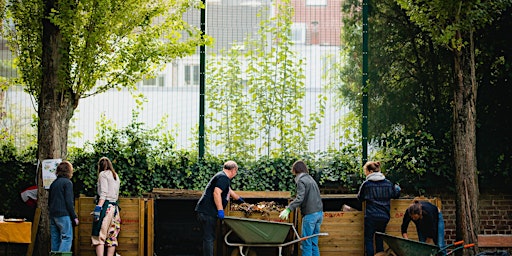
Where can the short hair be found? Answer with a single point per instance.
(230, 165)
(300, 167)
(65, 168)
(415, 208)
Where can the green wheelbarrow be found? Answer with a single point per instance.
(405, 247)
(261, 233)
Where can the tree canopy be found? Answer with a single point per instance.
(67, 50)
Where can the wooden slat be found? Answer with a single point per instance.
(150, 230)
(131, 237)
(35, 225)
(346, 229)
(497, 241)
(265, 194)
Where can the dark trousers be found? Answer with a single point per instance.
(208, 224)
(370, 227)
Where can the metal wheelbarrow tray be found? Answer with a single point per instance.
(261, 233)
(406, 247)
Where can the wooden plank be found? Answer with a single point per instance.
(150, 228)
(35, 225)
(497, 241)
(339, 196)
(141, 232)
(132, 235)
(265, 194)
(175, 193)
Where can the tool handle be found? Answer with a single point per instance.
(458, 242)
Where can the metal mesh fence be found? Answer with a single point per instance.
(237, 27)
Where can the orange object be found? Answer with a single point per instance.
(458, 243)
(16, 232)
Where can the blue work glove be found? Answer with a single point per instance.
(241, 199)
(220, 214)
(96, 213)
(397, 188)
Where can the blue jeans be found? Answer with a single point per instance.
(370, 227)
(440, 234)
(209, 224)
(311, 225)
(61, 231)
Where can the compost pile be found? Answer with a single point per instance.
(265, 208)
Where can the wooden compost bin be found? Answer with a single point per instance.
(346, 228)
(175, 230)
(174, 227)
(131, 237)
(254, 197)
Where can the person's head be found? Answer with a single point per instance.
(230, 168)
(105, 164)
(299, 167)
(371, 167)
(414, 210)
(65, 169)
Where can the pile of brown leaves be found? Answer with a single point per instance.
(265, 208)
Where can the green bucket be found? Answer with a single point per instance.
(61, 253)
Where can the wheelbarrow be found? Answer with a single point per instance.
(405, 247)
(261, 233)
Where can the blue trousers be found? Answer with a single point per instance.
(61, 231)
(311, 225)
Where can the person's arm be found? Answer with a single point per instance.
(405, 225)
(299, 198)
(102, 193)
(234, 195)
(217, 198)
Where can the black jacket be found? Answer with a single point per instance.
(61, 198)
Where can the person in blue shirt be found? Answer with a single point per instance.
(62, 209)
(377, 192)
(214, 199)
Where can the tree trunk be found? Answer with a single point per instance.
(464, 132)
(56, 104)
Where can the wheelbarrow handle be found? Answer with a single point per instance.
(458, 242)
(308, 237)
(461, 247)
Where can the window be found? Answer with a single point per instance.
(316, 2)
(191, 75)
(154, 81)
(299, 33)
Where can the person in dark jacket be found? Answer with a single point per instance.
(214, 199)
(428, 220)
(62, 209)
(311, 206)
(377, 192)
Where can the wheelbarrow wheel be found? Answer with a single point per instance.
(249, 252)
